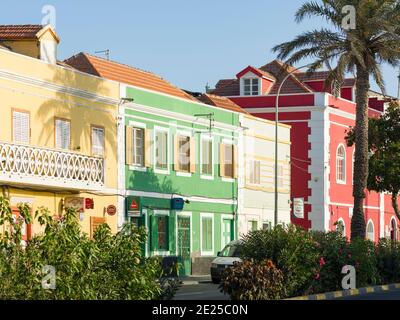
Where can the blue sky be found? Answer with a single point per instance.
(190, 43)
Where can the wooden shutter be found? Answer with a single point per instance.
(192, 155)
(235, 162)
(63, 134)
(97, 141)
(95, 222)
(129, 145)
(21, 127)
(222, 160)
(148, 144)
(153, 233)
(176, 153)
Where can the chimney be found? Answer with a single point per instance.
(48, 43)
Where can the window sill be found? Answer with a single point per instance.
(207, 253)
(207, 177)
(341, 182)
(137, 168)
(161, 253)
(183, 174)
(226, 179)
(160, 171)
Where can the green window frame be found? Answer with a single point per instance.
(207, 237)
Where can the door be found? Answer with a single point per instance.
(227, 232)
(185, 267)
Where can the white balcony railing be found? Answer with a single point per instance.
(28, 165)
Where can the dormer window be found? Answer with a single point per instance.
(251, 87)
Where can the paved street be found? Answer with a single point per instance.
(203, 291)
(388, 295)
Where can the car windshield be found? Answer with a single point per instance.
(231, 251)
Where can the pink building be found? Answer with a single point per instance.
(321, 163)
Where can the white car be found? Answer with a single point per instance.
(226, 258)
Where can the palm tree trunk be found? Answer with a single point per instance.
(395, 206)
(361, 153)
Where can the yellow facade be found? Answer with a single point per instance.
(48, 92)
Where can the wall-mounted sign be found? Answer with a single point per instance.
(298, 208)
(133, 206)
(89, 203)
(76, 203)
(111, 210)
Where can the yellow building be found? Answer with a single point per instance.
(58, 130)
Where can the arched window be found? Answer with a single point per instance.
(341, 227)
(370, 231)
(341, 164)
(393, 230)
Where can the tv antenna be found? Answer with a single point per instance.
(210, 117)
(106, 53)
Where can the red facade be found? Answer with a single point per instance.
(321, 163)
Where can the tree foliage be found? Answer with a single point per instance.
(384, 148)
(107, 267)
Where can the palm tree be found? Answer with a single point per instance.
(374, 40)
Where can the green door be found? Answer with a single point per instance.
(227, 232)
(184, 246)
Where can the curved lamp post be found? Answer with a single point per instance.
(276, 138)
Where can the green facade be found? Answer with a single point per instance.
(208, 220)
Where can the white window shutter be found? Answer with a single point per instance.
(63, 134)
(21, 129)
(98, 141)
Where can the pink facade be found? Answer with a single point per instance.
(322, 164)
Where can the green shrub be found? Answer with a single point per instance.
(291, 249)
(251, 280)
(362, 257)
(388, 261)
(333, 251)
(108, 267)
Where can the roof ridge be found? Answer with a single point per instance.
(140, 70)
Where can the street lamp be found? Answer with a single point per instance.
(276, 138)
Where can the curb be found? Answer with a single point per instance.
(349, 293)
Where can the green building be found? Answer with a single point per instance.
(178, 167)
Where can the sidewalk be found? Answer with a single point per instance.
(193, 280)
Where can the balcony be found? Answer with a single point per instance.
(49, 168)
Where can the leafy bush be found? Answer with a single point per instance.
(250, 280)
(291, 249)
(388, 260)
(109, 267)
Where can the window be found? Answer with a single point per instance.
(250, 87)
(207, 235)
(267, 226)
(341, 227)
(135, 146)
(161, 147)
(207, 157)
(21, 127)
(63, 134)
(370, 231)
(254, 172)
(162, 233)
(184, 153)
(228, 156)
(253, 225)
(98, 141)
(341, 164)
(280, 175)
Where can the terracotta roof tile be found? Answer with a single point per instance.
(221, 102)
(125, 74)
(227, 87)
(322, 75)
(15, 32)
